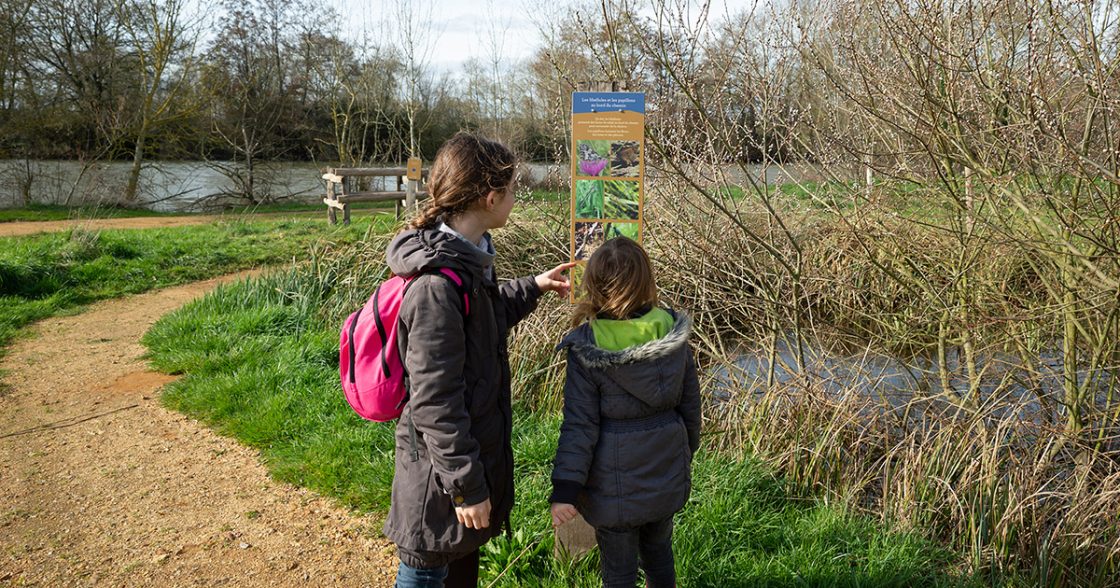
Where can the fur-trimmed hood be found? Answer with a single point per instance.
(651, 371)
(582, 342)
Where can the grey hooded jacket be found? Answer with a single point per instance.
(631, 425)
(459, 393)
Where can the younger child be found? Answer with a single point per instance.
(631, 418)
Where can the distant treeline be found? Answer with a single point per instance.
(273, 79)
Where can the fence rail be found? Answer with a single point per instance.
(344, 186)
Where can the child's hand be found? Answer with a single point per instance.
(475, 516)
(554, 279)
(562, 513)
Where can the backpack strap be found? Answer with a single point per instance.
(456, 281)
(465, 308)
(460, 287)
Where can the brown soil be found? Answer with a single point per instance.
(20, 228)
(100, 485)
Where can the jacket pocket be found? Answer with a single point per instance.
(438, 513)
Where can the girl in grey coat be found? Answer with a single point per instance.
(453, 476)
(631, 418)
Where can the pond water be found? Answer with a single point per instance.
(1006, 388)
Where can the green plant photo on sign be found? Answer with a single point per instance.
(589, 199)
(629, 230)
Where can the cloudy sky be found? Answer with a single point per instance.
(462, 29)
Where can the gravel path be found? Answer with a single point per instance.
(20, 228)
(100, 485)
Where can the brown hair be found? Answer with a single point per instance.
(466, 169)
(617, 281)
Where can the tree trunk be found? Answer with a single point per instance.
(131, 190)
(249, 179)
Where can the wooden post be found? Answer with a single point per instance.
(413, 172)
(410, 196)
(397, 203)
(346, 205)
(334, 181)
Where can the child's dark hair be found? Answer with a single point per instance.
(467, 168)
(617, 282)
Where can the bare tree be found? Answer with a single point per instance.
(414, 39)
(249, 88)
(162, 43)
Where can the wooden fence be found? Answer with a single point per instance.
(343, 187)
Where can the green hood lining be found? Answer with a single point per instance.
(616, 335)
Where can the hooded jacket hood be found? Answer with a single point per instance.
(635, 369)
(419, 250)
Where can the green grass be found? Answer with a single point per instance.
(260, 364)
(829, 193)
(44, 275)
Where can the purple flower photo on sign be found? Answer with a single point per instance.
(593, 160)
(592, 168)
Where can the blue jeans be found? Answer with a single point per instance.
(410, 577)
(424, 569)
(619, 550)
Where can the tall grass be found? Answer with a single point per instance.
(980, 454)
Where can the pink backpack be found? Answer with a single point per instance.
(369, 362)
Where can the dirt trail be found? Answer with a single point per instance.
(100, 485)
(20, 228)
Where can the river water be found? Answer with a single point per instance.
(181, 186)
(192, 186)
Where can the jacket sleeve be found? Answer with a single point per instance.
(519, 297)
(579, 434)
(434, 358)
(689, 407)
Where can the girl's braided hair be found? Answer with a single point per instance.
(466, 169)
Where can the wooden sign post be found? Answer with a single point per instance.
(413, 173)
(608, 169)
